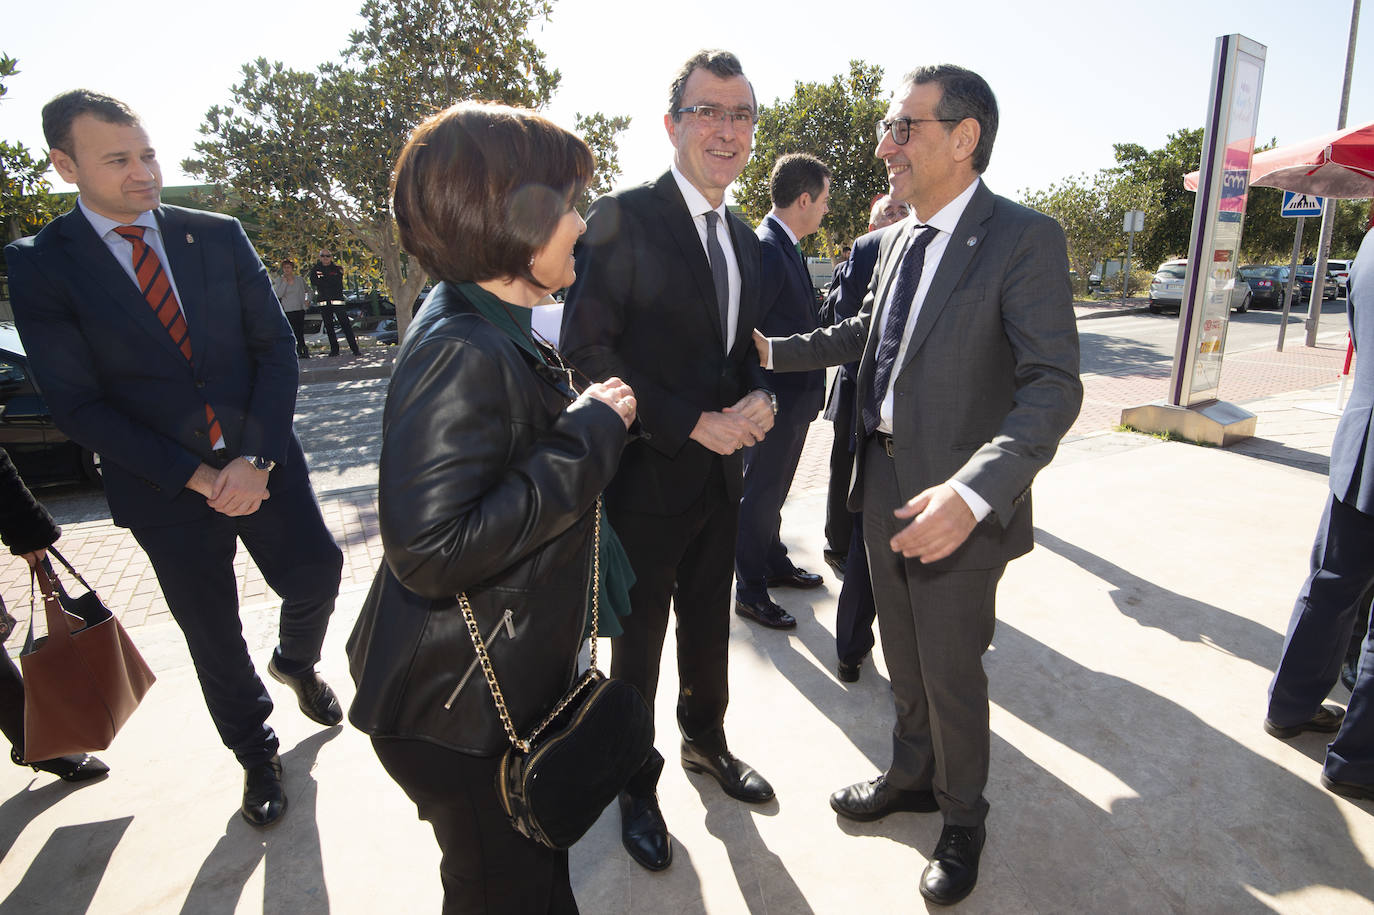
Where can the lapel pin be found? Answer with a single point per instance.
(192, 241)
(972, 240)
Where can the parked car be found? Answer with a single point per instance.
(386, 332)
(1305, 275)
(1340, 269)
(1166, 288)
(41, 453)
(1268, 284)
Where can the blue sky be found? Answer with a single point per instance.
(1071, 77)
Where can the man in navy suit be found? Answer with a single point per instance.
(1342, 569)
(800, 188)
(854, 610)
(158, 343)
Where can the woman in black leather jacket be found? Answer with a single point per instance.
(490, 469)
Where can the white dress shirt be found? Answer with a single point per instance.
(698, 206)
(123, 249)
(944, 222)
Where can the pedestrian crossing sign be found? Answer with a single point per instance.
(1295, 204)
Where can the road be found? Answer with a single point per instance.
(340, 423)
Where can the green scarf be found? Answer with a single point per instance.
(617, 575)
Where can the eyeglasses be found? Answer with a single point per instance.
(330, 256)
(901, 127)
(710, 114)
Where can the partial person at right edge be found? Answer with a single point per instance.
(1342, 570)
(490, 469)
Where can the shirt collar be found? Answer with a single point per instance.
(792, 236)
(104, 225)
(947, 219)
(697, 204)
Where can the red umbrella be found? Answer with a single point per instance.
(1338, 164)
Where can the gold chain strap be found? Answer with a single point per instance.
(587, 677)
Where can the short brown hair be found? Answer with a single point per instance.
(59, 113)
(479, 188)
(795, 174)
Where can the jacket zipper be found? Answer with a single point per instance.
(507, 621)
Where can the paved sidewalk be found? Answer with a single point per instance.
(1128, 673)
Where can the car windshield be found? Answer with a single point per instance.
(1173, 272)
(1261, 273)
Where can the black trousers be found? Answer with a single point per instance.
(855, 610)
(12, 704)
(839, 521)
(194, 562)
(297, 321)
(487, 867)
(683, 560)
(329, 313)
(769, 468)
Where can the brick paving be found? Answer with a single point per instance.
(120, 572)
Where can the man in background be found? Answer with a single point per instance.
(326, 278)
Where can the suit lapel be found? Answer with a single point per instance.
(959, 250)
(683, 230)
(748, 284)
(794, 258)
(188, 269)
(95, 267)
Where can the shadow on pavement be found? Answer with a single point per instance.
(290, 850)
(81, 854)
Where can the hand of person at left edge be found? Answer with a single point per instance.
(757, 406)
(942, 522)
(239, 489)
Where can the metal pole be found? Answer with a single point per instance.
(1126, 273)
(1292, 281)
(1314, 307)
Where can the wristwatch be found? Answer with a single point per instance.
(772, 401)
(259, 463)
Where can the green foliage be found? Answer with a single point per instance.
(25, 202)
(1091, 209)
(310, 154)
(833, 122)
(600, 133)
(1168, 227)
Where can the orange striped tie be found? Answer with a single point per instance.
(153, 283)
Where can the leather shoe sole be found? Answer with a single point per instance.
(736, 778)
(799, 578)
(875, 799)
(1326, 721)
(316, 700)
(264, 801)
(836, 561)
(1348, 789)
(766, 613)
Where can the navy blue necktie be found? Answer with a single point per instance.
(898, 307)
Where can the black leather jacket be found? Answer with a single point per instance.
(488, 483)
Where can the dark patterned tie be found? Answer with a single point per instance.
(157, 291)
(898, 307)
(720, 274)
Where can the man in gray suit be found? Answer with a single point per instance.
(968, 379)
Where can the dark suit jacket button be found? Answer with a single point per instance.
(199, 383)
(200, 433)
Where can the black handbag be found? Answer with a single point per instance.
(554, 783)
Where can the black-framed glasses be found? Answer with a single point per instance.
(900, 128)
(710, 114)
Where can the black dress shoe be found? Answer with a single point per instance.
(766, 613)
(847, 672)
(797, 578)
(1348, 789)
(736, 777)
(953, 869)
(264, 801)
(643, 832)
(316, 699)
(836, 560)
(79, 768)
(875, 799)
(1326, 721)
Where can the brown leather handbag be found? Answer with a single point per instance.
(83, 679)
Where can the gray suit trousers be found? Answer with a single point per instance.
(935, 627)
